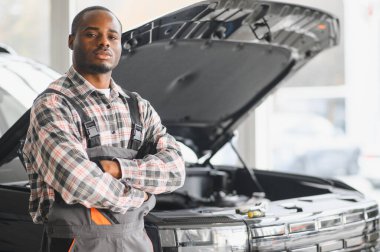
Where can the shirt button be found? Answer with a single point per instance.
(113, 132)
(108, 106)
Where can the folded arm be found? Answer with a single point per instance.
(156, 173)
(60, 158)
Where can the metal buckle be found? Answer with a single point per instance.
(91, 129)
(137, 132)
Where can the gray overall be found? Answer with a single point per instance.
(77, 228)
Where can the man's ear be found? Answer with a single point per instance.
(71, 41)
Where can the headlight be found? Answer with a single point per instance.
(199, 239)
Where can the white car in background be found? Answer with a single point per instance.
(21, 80)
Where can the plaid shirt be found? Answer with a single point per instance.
(56, 158)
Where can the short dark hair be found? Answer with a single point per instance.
(78, 17)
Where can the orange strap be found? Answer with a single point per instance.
(98, 218)
(71, 246)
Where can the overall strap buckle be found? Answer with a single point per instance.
(136, 136)
(92, 132)
(90, 126)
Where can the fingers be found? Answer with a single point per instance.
(111, 167)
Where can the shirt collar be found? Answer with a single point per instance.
(85, 88)
(116, 90)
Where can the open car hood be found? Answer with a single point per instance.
(205, 66)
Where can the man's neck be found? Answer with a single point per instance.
(98, 80)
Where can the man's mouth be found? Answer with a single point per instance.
(103, 55)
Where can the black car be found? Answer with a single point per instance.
(204, 68)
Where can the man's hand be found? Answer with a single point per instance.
(146, 196)
(111, 167)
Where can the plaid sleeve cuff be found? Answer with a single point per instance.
(136, 196)
(128, 167)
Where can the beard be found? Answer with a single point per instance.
(84, 63)
(100, 69)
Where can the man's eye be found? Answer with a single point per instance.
(113, 37)
(91, 35)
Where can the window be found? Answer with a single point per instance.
(25, 26)
(305, 118)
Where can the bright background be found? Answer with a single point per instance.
(325, 121)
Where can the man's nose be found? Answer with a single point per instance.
(104, 41)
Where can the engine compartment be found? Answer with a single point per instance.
(227, 186)
(213, 186)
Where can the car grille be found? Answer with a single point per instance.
(356, 230)
(353, 229)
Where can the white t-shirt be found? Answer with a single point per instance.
(106, 91)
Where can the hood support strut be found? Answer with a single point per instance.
(250, 171)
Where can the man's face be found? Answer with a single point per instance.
(96, 44)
